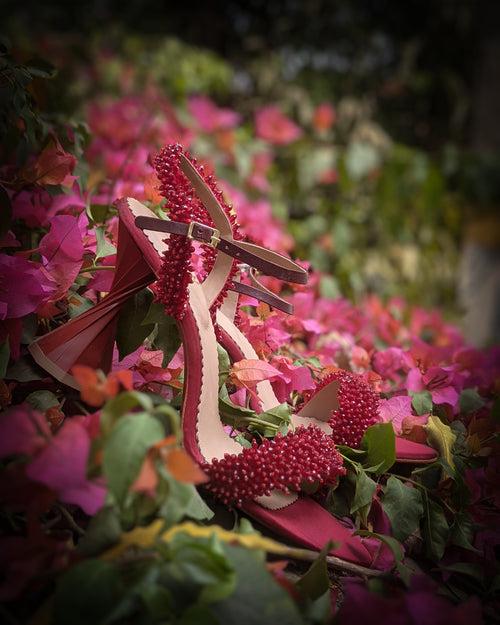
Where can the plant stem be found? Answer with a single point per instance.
(251, 421)
(96, 268)
(336, 563)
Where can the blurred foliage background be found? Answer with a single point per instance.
(382, 199)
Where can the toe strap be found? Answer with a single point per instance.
(284, 463)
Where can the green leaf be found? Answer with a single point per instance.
(315, 582)
(329, 287)
(5, 211)
(278, 414)
(379, 442)
(197, 509)
(4, 358)
(41, 68)
(495, 410)
(363, 495)
(441, 437)
(42, 400)
(102, 532)
(158, 601)
(24, 370)
(125, 448)
(87, 593)
(202, 563)
(224, 364)
(435, 530)
(122, 404)
(131, 332)
(30, 327)
(99, 213)
(462, 531)
(232, 411)
(470, 569)
(403, 505)
(252, 580)
(470, 401)
(422, 402)
(78, 304)
(104, 247)
(167, 336)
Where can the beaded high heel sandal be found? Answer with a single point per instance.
(262, 480)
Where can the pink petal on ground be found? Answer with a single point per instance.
(414, 380)
(446, 395)
(62, 466)
(394, 410)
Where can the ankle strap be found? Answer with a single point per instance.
(258, 291)
(268, 262)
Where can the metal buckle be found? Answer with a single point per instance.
(214, 238)
(189, 233)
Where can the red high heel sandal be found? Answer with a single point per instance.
(245, 474)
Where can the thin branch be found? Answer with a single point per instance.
(335, 563)
(72, 523)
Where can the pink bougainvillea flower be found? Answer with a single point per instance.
(62, 252)
(324, 117)
(62, 466)
(71, 203)
(22, 431)
(32, 206)
(209, 116)
(266, 335)
(24, 286)
(394, 410)
(292, 378)
(273, 126)
(439, 381)
(53, 166)
(257, 220)
(390, 363)
(261, 162)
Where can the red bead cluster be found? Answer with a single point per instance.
(184, 205)
(358, 407)
(283, 463)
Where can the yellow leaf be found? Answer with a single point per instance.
(441, 437)
(250, 541)
(138, 537)
(146, 536)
